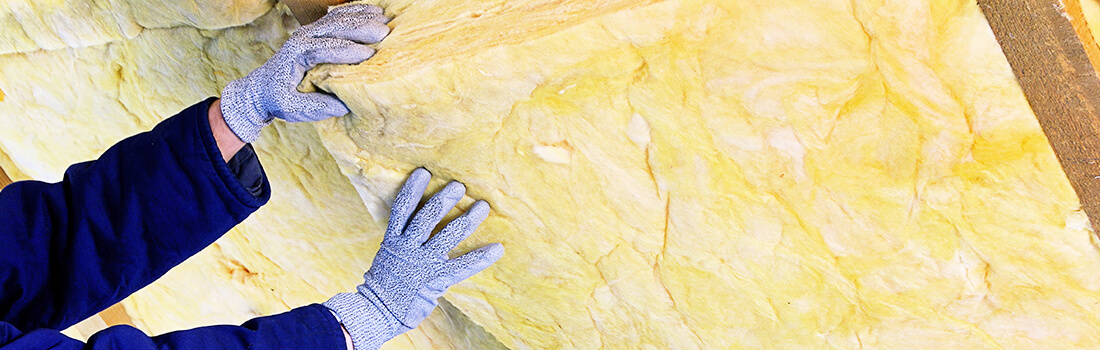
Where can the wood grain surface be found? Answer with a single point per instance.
(1053, 54)
(308, 11)
(4, 179)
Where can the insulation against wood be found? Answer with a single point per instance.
(1091, 10)
(10, 170)
(727, 174)
(313, 240)
(686, 174)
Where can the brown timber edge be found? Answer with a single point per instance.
(4, 179)
(1053, 54)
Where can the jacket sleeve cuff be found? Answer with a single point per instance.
(308, 327)
(367, 325)
(250, 188)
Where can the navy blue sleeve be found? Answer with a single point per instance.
(116, 224)
(309, 327)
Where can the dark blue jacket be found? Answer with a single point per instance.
(71, 249)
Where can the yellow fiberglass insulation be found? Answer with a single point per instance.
(663, 174)
(29, 25)
(312, 240)
(730, 174)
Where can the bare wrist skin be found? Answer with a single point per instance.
(228, 142)
(347, 338)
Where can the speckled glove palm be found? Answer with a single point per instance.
(252, 102)
(411, 271)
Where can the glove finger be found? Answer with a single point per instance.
(335, 51)
(471, 263)
(311, 107)
(406, 201)
(382, 18)
(458, 229)
(354, 8)
(433, 211)
(362, 31)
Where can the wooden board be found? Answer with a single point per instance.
(308, 11)
(113, 316)
(1053, 54)
(4, 179)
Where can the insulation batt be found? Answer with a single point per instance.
(730, 174)
(30, 25)
(664, 174)
(314, 239)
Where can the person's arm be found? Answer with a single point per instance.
(227, 141)
(37, 280)
(115, 224)
(308, 327)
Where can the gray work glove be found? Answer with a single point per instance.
(411, 271)
(250, 103)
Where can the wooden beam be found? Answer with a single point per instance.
(308, 11)
(1054, 56)
(8, 172)
(4, 179)
(115, 315)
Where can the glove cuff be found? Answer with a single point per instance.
(365, 320)
(241, 113)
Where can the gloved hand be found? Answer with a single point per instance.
(411, 271)
(250, 103)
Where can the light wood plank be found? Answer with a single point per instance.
(4, 179)
(1053, 54)
(115, 315)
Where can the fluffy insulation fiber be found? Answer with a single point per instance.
(313, 240)
(717, 174)
(664, 174)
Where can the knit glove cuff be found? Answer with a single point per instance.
(367, 322)
(241, 113)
